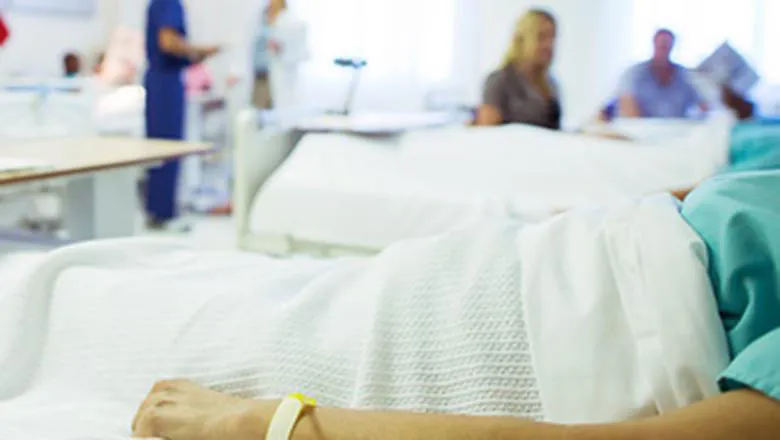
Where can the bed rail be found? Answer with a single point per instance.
(259, 152)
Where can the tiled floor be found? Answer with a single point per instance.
(202, 231)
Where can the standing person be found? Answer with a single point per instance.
(659, 88)
(288, 49)
(522, 91)
(168, 54)
(261, 91)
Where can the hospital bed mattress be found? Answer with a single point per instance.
(363, 194)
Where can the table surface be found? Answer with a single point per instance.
(70, 156)
(369, 123)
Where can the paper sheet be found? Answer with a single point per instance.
(727, 66)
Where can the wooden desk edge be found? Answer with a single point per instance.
(54, 173)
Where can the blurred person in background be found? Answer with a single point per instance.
(659, 87)
(261, 89)
(168, 55)
(71, 65)
(523, 91)
(288, 50)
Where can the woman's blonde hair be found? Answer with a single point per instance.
(524, 45)
(282, 4)
(526, 36)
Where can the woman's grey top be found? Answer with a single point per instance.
(519, 102)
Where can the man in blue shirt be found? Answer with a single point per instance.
(658, 88)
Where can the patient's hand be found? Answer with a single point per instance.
(682, 194)
(182, 410)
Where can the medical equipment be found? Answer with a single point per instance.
(357, 65)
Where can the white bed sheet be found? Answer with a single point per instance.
(75, 410)
(86, 334)
(121, 111)
(368, 193)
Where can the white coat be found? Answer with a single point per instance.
(291, 34)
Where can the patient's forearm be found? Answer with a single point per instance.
(744, 415)
(172, 43)
(326, 423)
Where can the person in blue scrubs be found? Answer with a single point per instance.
(658, 88)
(168, 54)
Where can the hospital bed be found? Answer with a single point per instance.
(76, 364)
(38, 108)
(34, 109)
(90, 105)
(329, 194)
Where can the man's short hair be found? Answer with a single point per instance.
(664, 31)
(70, 57)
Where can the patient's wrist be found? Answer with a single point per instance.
(252, 423)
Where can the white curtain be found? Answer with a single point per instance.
(768, 53)
(409, 45)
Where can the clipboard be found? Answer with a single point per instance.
(729, 67)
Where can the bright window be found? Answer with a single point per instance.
(769, 54)
(409, 45)
(701, 26)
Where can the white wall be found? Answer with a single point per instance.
(593, 47)
(594, 43)
(38, 41)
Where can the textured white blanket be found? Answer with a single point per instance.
(489, 320)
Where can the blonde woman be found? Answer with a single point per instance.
(522, 90)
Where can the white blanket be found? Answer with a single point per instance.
(621, 313)
(369, 193)
(614, 308)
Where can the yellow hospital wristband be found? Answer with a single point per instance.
(287, 415)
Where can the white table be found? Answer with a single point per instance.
(100, 176)
(372, 122)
